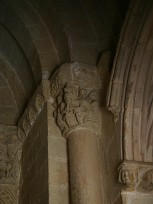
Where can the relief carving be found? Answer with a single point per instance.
(75, 92)
(136, 176)
(128, 176)
(75, 107)
(56, 85)
(146, 183)
(26, 126)
(10, 155)
(8, 194)
(30, 115)
(39, 101)
(5, 166)
(21, 134)
(10, 151)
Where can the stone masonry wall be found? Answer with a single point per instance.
(57, 162)
(34, 178)
(110, 160)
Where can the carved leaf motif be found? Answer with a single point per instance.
(75, 107)
(31, 115)
(39, 102)
(21, 135)
(56, 85)
(26, 126)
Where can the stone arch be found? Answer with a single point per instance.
(130, 100)
(41, 40)
(48, 33)
(78, 30)
(17, 30)
(18, 81)
(12, 92)
(54, 32)
(129, 96)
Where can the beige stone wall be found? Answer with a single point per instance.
(34, 178)
(45, 172)
(110, 160)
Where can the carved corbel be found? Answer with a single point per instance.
(136, 176)
(128, 176)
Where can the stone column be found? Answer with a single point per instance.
(75, 90)
(84, 167)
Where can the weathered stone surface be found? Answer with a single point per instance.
(137, 180)
(34, 163)
(41, 35)
(31, 113)
(10, 154)
(136, 176)
(130, 100)
(57, 162)
(75, 89)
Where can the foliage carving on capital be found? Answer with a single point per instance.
(75, 89)
(76, 107)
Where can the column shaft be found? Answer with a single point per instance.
(84, 165)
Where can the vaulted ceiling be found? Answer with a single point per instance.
(36, 36)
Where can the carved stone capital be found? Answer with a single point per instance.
(136, 176)
(75, 90)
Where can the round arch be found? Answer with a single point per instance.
(130, 91)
